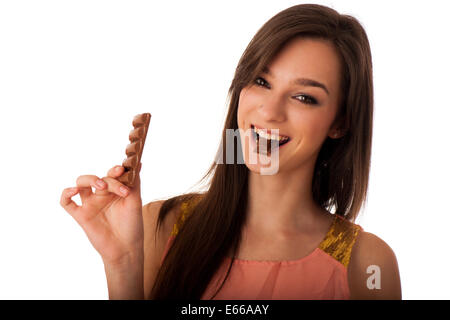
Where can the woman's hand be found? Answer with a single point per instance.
(111, 218)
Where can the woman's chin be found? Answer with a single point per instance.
(262, 163)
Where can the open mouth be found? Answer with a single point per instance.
(260, 136)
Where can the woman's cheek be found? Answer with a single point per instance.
(250, 97)
(315, 129)
(246, 103)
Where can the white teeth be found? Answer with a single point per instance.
(267, 136)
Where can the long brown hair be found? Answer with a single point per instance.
(341, 174)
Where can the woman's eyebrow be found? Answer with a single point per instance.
(303, 81)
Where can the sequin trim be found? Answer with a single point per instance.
(185, 208)
(340, 239)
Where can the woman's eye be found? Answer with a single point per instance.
(306, 99)
(260, 81)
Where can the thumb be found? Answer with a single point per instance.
(136, 189)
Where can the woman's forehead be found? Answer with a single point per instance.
(316, 59)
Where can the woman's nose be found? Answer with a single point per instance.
(272, 108)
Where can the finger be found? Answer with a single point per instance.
(116, 171)
(113, 186)
(86, 182)
(66, 202)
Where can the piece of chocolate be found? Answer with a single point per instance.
(260, 148)
(134, 150)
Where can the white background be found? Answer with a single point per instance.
(74, 73)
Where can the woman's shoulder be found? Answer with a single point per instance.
(371, 249)
(373, 262)
(156, 233)
(171, 212)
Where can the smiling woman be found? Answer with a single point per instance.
(308, 74)
(304, 83)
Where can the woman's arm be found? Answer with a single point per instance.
(154, 248)
(125, 280)
(373, 270)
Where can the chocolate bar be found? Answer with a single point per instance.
(134, 149)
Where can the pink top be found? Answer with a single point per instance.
(321, 275)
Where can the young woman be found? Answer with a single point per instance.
(308, 73)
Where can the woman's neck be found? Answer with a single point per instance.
(282, 202)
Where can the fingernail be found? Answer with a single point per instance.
(100, 183)
(118, 168)
(123, 190)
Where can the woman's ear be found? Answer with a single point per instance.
(338, 128)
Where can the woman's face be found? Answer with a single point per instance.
(298, 95)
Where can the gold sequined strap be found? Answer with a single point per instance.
(185, 208)
(340, 239)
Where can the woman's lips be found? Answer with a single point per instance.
(256, 143)
(268, 131)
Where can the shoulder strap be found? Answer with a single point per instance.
(185, 208)
(340, 239)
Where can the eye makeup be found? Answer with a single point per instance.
(306, 99)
